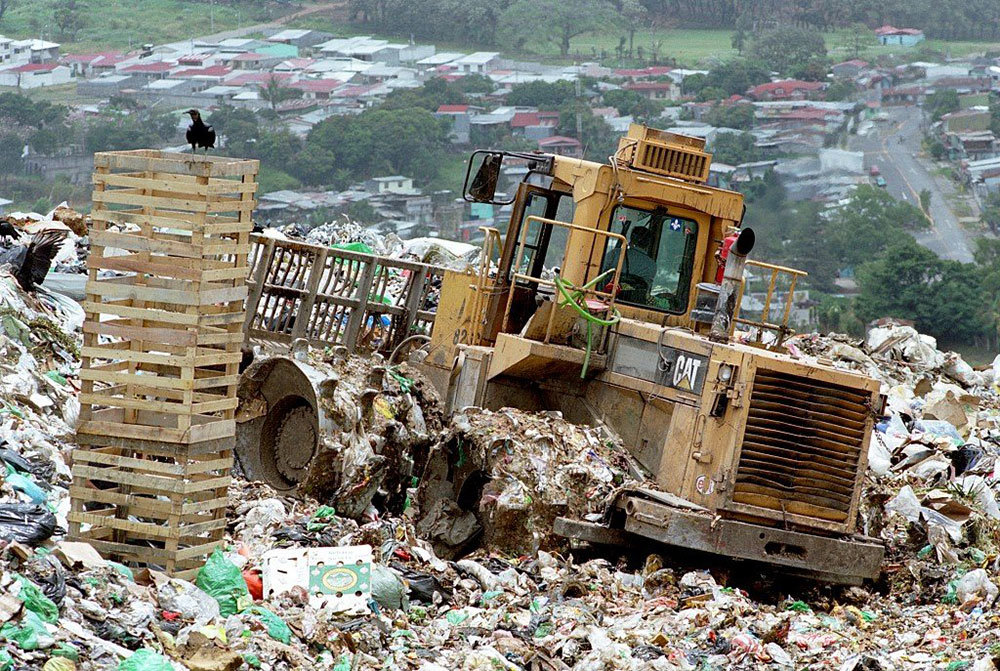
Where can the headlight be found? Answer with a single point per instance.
(725, 372)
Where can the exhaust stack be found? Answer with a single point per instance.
(725, 307)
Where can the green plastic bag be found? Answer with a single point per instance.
(359, 247)
(32, 634)
(276, 627)
(321, 518)
(6, 661)
(145, 659)
(36, 601)
(222, 580)
(67, 650)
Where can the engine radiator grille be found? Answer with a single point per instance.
(802, 445)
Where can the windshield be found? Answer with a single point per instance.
(656, 272)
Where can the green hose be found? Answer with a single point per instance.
(588, 318)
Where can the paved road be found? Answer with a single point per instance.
(893, 146)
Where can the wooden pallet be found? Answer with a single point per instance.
(149, 502)
(162, 339)
(161, 352)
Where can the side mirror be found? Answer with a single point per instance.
(483, 187)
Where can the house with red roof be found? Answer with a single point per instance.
(92, 64)
(904, 37)
(35, 75)
(644, 73)
(148, 71)
(316, 89)
(654, 90)
(786, 89)
(849, 69)
(213, 73)
(460, 118)
(561, 145)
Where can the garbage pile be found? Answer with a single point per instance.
(354, 236)
(434, 550)
(72, 255)
(499, 480)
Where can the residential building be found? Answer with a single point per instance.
(654, 90)
(905, 37)
(787, 89)
(36, 75)
(561, 145)
(479, 62)
(849, 69)
(397, 184)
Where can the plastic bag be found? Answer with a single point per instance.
(30, 634)
(276, 627)
(388, 590)
(26, 486)
(145, 659)
(27, 523)
(976, 583)
(6, 661)
(222, 580)
(906, 504)
(36, 601)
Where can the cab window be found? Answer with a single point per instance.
(545, 244)
(659, 257)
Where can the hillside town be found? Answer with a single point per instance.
(798, 130)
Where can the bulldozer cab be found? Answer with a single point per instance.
(589, 244)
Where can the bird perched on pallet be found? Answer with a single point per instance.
(30, 263)
(199, 134)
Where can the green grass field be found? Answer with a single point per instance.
(120, 24)
(689, 47)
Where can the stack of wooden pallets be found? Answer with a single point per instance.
(161, 354)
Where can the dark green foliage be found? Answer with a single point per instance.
(542, 94)
(735, 148)
(731, 116)
(942, 102)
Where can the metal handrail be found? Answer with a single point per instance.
(491, 241)
(586, 291)
(781, 329)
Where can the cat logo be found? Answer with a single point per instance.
(686, 372)
(682, 370)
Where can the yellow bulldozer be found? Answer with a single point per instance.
(613, 297)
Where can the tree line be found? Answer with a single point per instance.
(507, 22)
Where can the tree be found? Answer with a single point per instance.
(944, 298)
(70, 18)
(859, 38)
(557, 21)
(598, 138)
(434, 93)
(737, 75)
(742, 35)
(942, 102)
(275, 93)
(925, 200)
(634, 14)
(739, 116)
(991, 212)
(632, 103)
(786, 48)
(870, 222)
(541, 94)
(839, 90)
(4, 6)
(735, 148)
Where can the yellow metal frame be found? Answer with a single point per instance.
(491, 241)
(515, 263)
(781, 329)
